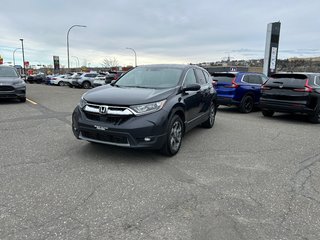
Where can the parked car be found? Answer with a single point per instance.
(37, 78)
(85, 80)
(11, 84)
(70, 77)
(292, 93)
(102, 80)
(241, 89)
(58, 80)
(149, 107)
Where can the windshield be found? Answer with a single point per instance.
(151, 77)
(8, 72)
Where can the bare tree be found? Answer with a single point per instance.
(110, 62)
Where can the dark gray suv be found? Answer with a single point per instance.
(292, 93)
(11, 84)
(149, 107)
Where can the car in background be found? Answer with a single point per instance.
(70, 77)
(241, 89)
(11, 84)
(292, 93)
(102, 80)
(36, 78)
(58, 80)
(151, 106)
(85, 80)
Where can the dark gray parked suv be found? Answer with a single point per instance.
(149, 107)
(11, 84)
(292, 93)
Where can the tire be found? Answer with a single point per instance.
(75, 128)
(174, 136)
(86, 85)
(315, 117)
(247, 104)
(212, 116)
(267, 113)
(61, 83)
(70, 85)
(22, 99)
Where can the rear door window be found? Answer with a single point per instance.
(190, 78)
(252, 78)
(200, 76)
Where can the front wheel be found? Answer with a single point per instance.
(315, 117)
(86, 85)
(212, 116)
(174, 136)
(61, 83)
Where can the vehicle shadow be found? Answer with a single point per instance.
(291, 118)
(9, 101)
(233, 109)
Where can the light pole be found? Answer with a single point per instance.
(24, 66)
(77, 60)
(13, 58)
(68, 41)
(135, 55)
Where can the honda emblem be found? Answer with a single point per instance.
(103, 109)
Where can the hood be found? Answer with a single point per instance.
(125, 96)
(10, 80)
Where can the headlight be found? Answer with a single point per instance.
(19, 83)
(82, 103)
(148, 108)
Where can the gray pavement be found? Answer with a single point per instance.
(249, 177)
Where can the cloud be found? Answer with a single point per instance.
(160, 31)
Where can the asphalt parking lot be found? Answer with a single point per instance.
(249, 177)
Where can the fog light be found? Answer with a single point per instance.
(147, 139)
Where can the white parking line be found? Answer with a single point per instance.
(30, 101)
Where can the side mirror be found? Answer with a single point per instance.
(191, 87)
(113, 82)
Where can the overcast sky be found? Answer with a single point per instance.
(160, 31)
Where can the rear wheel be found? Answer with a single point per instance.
(61, 83)
(246, 104)
(86, 85)
(315, 117)
(174, 136)
(267, 113)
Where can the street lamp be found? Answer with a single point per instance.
(77, 60)
(68, 41)
(24, 66)
(14, 60)
(135, 55)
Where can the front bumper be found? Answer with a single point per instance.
(12, 92)
(147, 131)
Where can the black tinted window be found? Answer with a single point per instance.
(223, 77)
(200, 76)
(288, 80)
(207, 76)
(190, 78)
(253, 79)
